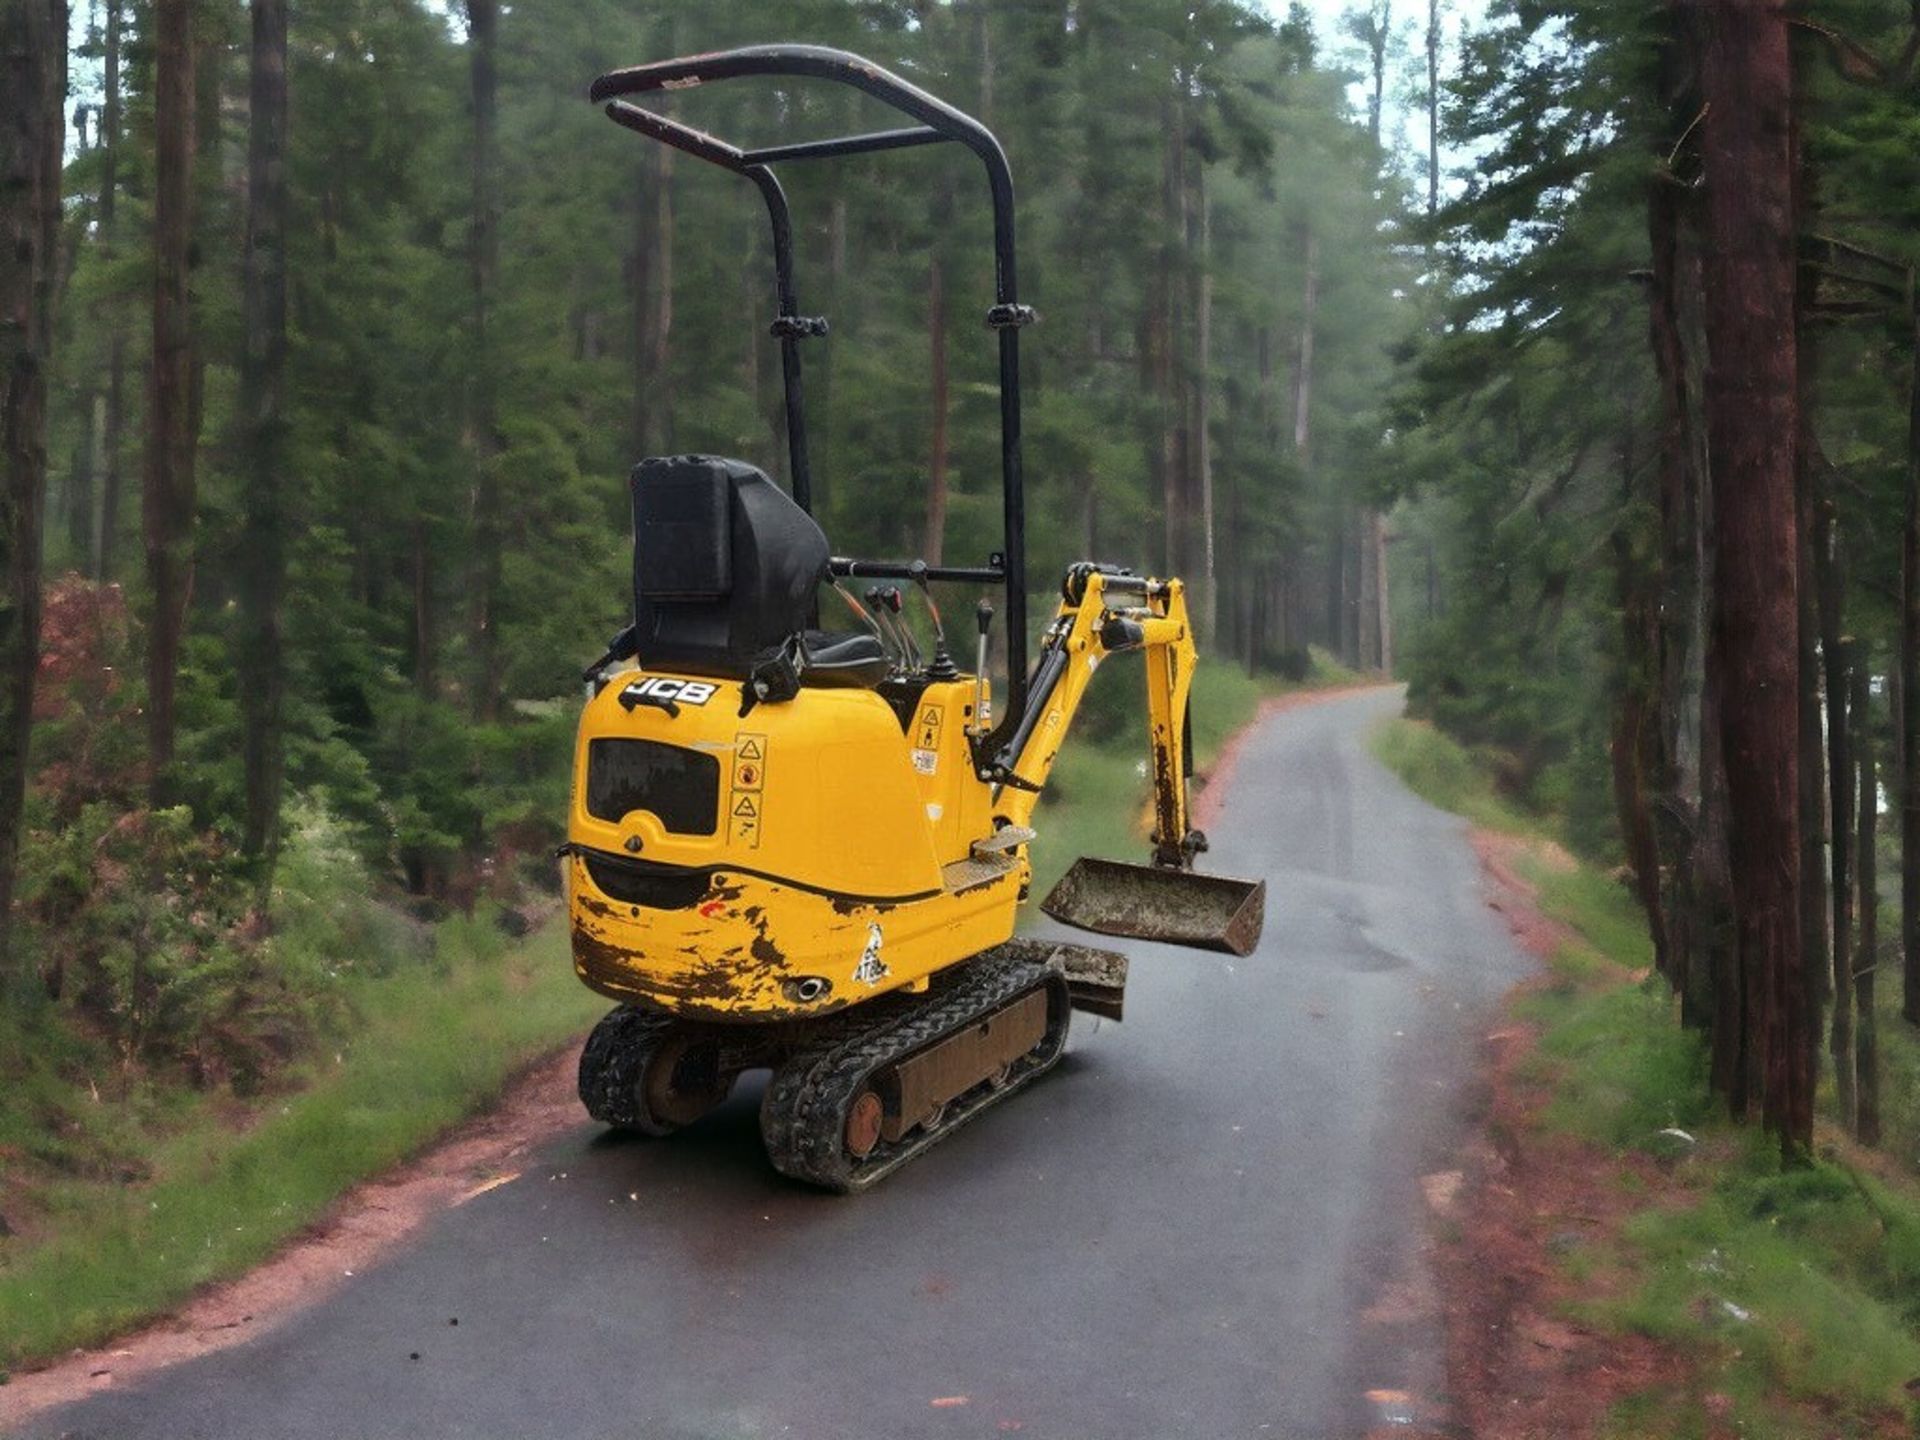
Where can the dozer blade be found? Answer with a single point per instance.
(1096, 979)
(1147, 902)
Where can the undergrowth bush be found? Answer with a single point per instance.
(148, 930)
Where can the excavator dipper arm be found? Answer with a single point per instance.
(1104, 612)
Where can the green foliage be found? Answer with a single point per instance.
(137, 919)
(1442, 772)
(1528, 413)
(1800, 1284)
(153, 940)
(1623, 1071)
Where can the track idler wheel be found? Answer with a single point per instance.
(865, 1117)
(650, 1074)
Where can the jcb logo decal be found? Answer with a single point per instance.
(664, 687)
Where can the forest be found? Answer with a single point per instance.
(333, 326)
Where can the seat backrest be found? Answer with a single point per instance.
(725, 565)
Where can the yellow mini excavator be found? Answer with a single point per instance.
(805, 851)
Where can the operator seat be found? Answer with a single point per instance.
(726, 569)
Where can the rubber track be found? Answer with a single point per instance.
(803, 1115)
(612, 1062)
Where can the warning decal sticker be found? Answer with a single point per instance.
(926, 729)
(872, 969)
(749, 783)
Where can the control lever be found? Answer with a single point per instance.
(895, 607)
(982, 694)
(942, 666)
(877, 602)
(865, 619)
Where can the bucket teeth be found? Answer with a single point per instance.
(1148, 902)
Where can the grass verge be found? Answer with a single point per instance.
(225, 1186)
(1792, 1298)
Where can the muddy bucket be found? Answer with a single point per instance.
(1146, 902)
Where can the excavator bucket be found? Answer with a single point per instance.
(1147, 902)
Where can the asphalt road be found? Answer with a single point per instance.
(1205, 1223)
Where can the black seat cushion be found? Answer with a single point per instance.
(843, 660)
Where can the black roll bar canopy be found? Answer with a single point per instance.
(939, 123)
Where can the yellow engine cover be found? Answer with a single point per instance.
(811, 855)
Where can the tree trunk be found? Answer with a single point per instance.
(1303, 369)
(1379, 28)
(1892, 771)
(1206, 616)
(1376, 622)
(934, 545)
(1751, 418)
(33, 59)
(984, 39)
(1676, 830)
(1433, 108)
(1383, 602)
(1366, 628)
(1841, 781)
(640, 266)
(1636, 725)
(656, 377)
(1362, 577)
(1865, 1061)
(1815, 952)
(113, 426)
(424, 683)
(167, 500)
(1839, 655)
(653, 298)
(483, 424)
(1909, 709)
(1721, 984)
(78, 500)
(1167, 449)
(1690, 823)
(210, 56)
(262, 557)
(106, 516)
(755, 261)
(1303, 442)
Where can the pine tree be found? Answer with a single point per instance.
(167, 498)
(263, 419)
(32, 118)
